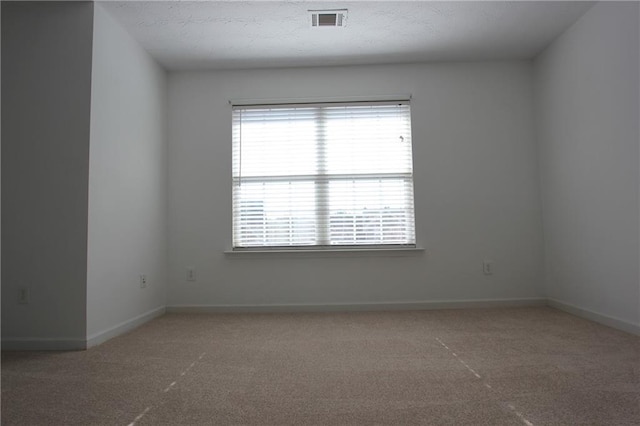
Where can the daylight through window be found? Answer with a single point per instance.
(322, 175)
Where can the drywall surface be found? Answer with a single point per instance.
(587, 112)
(476, 189)
(46, 95)
(127, 180)
(0, 171)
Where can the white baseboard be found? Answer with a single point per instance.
(123, 327)
(596, 317)
(67, 344)
(70, 344)
(43, 344)
(346, 307)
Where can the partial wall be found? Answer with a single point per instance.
(127, 184)
(476, 191)
(46, 100)
(587, 92)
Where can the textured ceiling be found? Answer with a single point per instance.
(238, 34)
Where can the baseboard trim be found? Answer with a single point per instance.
(347, 307)
(43, 344)
(70, 344)
(596, 317)
(124, 327)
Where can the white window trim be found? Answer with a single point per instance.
(320, 100)
(368, 251)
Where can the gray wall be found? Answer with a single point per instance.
(476, 189)
(127, 181)
(587, 91)
(46, 95)
(0, 169)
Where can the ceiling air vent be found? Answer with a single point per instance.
(328, 18)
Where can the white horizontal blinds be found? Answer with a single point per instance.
(273, 175)
(368, 153)
(323, 175)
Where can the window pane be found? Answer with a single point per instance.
(371, 212)
(368, 139)
(276, 142)
(274, 214)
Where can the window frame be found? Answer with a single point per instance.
(325, 245)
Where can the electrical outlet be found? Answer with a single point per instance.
(191, 273)
(23, 295)
(487, 267)
(143, 281)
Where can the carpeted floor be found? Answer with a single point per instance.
(518, 366)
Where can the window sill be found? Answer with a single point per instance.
(337, 252)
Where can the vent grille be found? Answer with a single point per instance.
(328, 18)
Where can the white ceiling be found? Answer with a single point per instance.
(239, 34)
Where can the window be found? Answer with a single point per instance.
(322, 175)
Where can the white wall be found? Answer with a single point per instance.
(127, 181)
(587, 91)
(46, 95)
(0, 169)
(476, 189)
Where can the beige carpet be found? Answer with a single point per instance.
(518, 366)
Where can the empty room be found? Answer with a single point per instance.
(320, 213)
